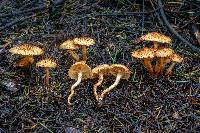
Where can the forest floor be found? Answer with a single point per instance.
(141, 104)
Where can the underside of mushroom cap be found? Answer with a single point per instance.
(86, 41)
(69, 44)
(26, 49)
(123, 70)
(46, 63)
(164, 52)
(100, 69)
(157, 37)
(79, 67)
(144, 53)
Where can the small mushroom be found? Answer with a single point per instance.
(121, 72)
(84, 42)
(162, 54)
(78, 71)
(147, 54)
(46, 64)
(175, 59)
(28, 51)
(99, 72)
(156, 38)
(71, 47)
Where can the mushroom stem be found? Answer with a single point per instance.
(84, 52)
(74, 55)
(73, 86)
(106, 91)
(155, 44)
(159, 65)
(96, 85)
(46, 76)
(148, 65)
(169, 70)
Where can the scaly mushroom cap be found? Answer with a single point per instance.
(101, 69)
(69, 44)
(46, 63)
(176, 58)
(79, 67)
(164, 52)
(118, 68)
(144, 53)
(86, 41)
(157, 37)
(26, 49)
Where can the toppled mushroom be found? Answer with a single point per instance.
(156, 38)
(84, 42)
(147, 54)
(78, 71)
(175, 59)
(71, 47)
(28, 51)
(46, 64)
(162, 54)
(121, 72)
(99, 72)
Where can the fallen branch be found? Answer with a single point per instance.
(166, 22)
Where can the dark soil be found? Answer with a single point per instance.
(141, 104)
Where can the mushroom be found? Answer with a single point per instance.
(46, 64)
(99, 72)
(78, 71)
(70, 46)
(162, 54)
(147, 54)
(84, 42)
(28, 51)
(121, 72)
(156, 38)
(175, 59)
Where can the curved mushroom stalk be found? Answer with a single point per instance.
(96, 85)
(169, 70)
(159, 65)
(148, 65)
(73, 87)
(84, 51)
(74, 55)
(106, 91)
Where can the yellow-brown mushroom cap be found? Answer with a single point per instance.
(79, 67)
(86, 41)
(46, 63)
(157, 37)
(69, 44)
(26, 49)
(176, 58)
(123, 70)
(164, 52)
(144, 53)
(100, 69)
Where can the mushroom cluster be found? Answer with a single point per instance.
(81, 71)
(72, 44)
(161, 54)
